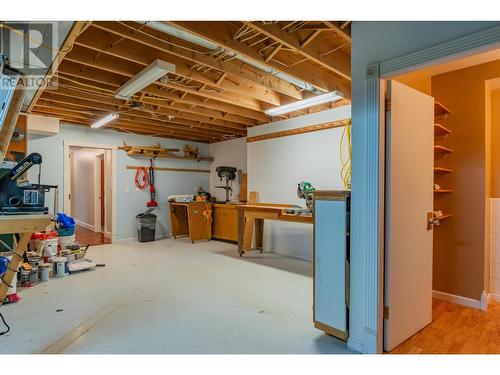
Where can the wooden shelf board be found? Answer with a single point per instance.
(440, 131)
(442, 150)
(443, 191)
(167, 156)
(441, 170)
(440, 110)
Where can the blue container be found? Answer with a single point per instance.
(65, 221)
(63, 232)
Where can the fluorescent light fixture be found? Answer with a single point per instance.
(305, 103)
(144, 78)
(105, 120)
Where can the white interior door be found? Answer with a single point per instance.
(409, 198)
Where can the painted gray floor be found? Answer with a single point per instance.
(171, 296)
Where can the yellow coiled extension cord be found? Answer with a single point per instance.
(345, 171)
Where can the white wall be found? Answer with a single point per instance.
(232, 153)
(374, 42)
(83, 195)
(130, 202)
(276, 166)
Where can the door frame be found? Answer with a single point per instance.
(98, 201)
(67, 179)
(375, 159)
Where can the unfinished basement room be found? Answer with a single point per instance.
(185, 184)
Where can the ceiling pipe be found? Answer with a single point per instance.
(192, 38)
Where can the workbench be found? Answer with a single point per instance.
(193, 219)
(25, 225)
(252, 216)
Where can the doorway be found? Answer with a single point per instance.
(439, 224)
(90, 193)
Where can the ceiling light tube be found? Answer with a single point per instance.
(151, 73)
(105, 120)
(305, 103)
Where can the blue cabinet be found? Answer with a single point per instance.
(331, 262)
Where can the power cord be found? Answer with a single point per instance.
(6, 325)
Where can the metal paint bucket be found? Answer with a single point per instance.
(60, 265)
(35, 261)
(44, 272)
(34, 275)
(25, 277)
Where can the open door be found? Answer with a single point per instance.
(409, 200)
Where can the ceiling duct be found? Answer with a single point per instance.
(202, 42)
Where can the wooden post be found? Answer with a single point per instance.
(11, 120)
(25, 225)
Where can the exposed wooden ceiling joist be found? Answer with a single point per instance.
(213, 95)
(222, 34)
(341, 31)
(337, 62)
(96, 75)
(68, 102)
(136, 53)
(153, 39)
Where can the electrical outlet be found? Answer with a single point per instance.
(127, 189)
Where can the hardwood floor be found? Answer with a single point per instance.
(85, 236)
(457, 329)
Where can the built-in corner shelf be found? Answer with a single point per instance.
(440, 110)
(441, 150)
(440, 131)
(442, 191)
(442, 171)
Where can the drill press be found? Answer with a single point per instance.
(229, 174)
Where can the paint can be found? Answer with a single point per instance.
(60, 265)
(44, 269)
(68, 254)
(25, 277)
(33, 275)
(35, 261)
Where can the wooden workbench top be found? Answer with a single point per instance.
(187, 203)
(279, 210)
(265, 207)
(24, 223)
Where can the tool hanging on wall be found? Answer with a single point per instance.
(152, 191)
(141, 178)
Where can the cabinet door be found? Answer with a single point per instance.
(330, 231)
(217, 222)
(200, 228)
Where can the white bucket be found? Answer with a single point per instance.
(66, 241)
(60, 266)
(50, 247)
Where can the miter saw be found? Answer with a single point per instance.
(21, 197)
(304, 191)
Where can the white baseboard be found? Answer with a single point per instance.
(85, 225)
(459, 300)
(495, 297)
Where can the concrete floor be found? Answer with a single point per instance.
(171, 296)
